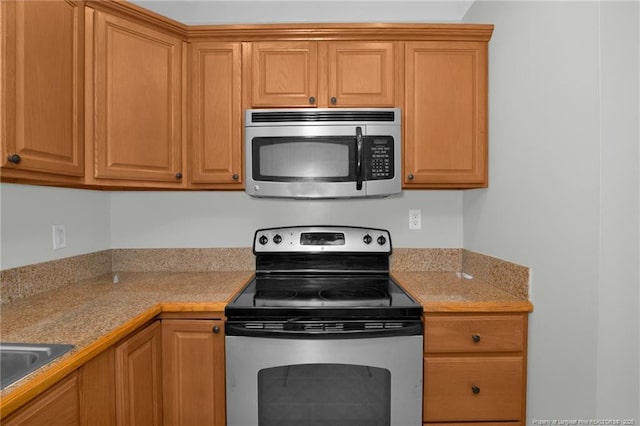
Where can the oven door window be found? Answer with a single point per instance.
(324, 394)
(291, 159)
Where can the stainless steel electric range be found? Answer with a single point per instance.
(323, 335)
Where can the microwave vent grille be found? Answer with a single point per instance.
(322, 116)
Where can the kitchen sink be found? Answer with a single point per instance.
(19, 359)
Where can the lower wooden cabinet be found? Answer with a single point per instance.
(138, 378)
(58, 406)
(193, 372)
(475, 368)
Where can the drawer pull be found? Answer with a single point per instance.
(216, 329)
(475, 389)
(476, 338)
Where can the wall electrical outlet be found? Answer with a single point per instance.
(59, 236)
(415, 219)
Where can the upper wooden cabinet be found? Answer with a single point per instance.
(104, 94)
(283, 74)
(322, 74)
(215, 150)
(42, 69)
(135, 102)
(445, 114)
(361, 74)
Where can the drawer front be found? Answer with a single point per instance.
(477, 424)
(473, 389)
(474, 334)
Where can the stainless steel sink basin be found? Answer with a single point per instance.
(19, 359)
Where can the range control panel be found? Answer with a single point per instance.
(300, 239)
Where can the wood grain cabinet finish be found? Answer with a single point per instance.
(193, 371)
(138, 380)
(475, 368)
(283, 74)
(361, 74)
(134, 106)
(323, 74)
(42, 73)
(58, 406)
(97, 383)
(445, 137)
(216, 115)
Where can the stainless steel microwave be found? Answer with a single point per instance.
(323, 153)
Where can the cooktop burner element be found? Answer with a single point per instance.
(322, 273)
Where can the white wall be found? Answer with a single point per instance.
(229, 219)
(196, 12)
(28, 213)
(563, 130)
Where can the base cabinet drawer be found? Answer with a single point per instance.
(476, 424)
(470, 333)
(473, 389)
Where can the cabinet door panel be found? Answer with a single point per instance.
(193, 369)
(361, 74)
(137, 129)
(139, 378)
(57, 406)
(445, 112)
(42, 86)
(284, 74)
(216, 113)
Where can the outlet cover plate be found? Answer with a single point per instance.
(59, 236)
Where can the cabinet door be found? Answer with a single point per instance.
(284, 74)
(137, 99)
(216, 114)
(361, 74)
(57, 406)
(138, 369)
(445, 114)
(193, 371)
(42, 86)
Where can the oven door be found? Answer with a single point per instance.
(337, 382)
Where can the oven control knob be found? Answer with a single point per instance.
(382, 240)
(277, 239)
(263, 240)
(367, 239)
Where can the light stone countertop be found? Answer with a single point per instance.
(95, 313)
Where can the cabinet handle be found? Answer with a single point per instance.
(14, 158)
(178, 175)
(475, 389)
(334, 100)
(476, 338)
(312, 100)
(235, 176)
(410, 176)
(216, 329)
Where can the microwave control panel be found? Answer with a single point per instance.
(378, 158)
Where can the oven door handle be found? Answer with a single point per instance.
(359, 142)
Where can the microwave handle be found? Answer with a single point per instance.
(359, 142)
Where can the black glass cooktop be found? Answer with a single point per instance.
(323, 296)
